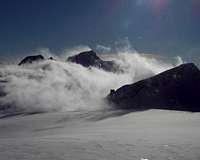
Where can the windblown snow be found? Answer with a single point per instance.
(64, 86)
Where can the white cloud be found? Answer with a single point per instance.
(57, 85)
(103, 49)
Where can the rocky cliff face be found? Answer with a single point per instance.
(175, 89)
(90, 59)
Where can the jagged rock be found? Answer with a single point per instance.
(31, 59)
(51, 58)
(2, 89)
(90, 59)
(175, 89)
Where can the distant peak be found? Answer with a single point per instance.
(88, 53)
(31, 59)
(90, 58)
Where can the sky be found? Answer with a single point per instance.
(151, 26)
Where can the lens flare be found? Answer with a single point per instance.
(159, 5)
(196, 8)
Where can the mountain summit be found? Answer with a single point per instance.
(90, 59)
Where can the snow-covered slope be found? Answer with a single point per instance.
(153, 135)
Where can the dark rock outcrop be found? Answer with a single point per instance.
(90, 59)
(175, 89)
(31, 59)
(51, 58)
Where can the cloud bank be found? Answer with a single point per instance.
(64, 86)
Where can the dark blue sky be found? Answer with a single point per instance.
(161, 26)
